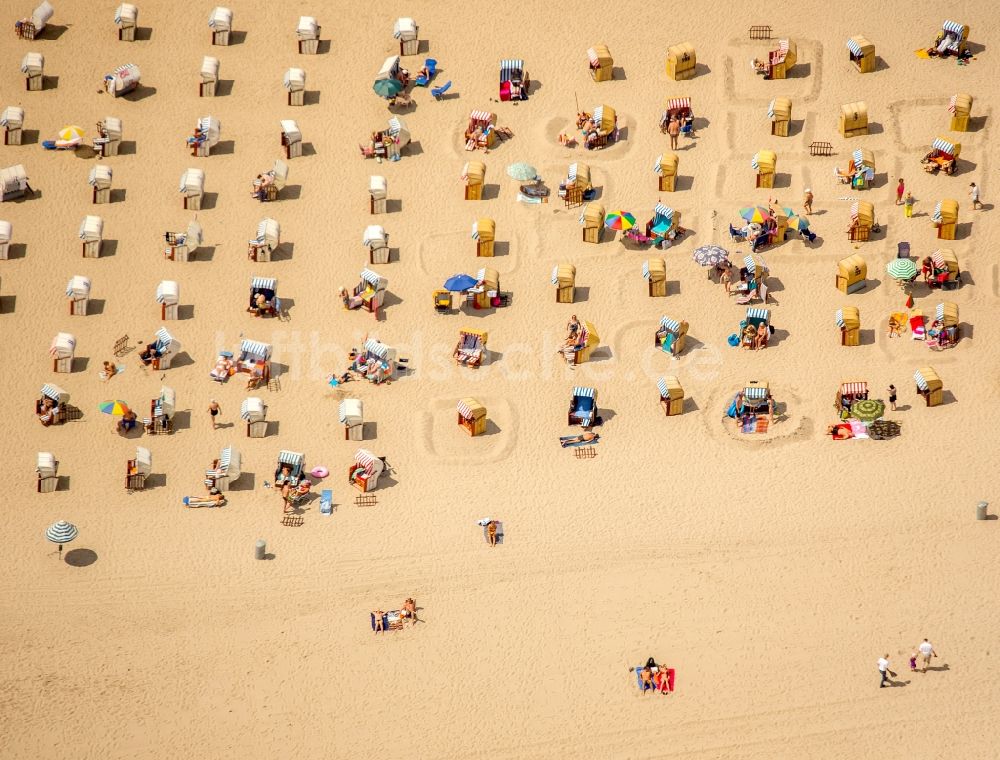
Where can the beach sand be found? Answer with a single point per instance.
(771, 571)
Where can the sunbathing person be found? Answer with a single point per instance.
(662, 680)
(293, 496)
(585, 437)
(378, 620)
(749, 336)
(646, 677)
(840, 432)
(220, 372)
(260, 305)
(491, 532)
(759, 66)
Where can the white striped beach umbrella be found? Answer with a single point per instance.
(61, 533)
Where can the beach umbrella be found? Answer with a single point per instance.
(757, 214)
(868, 410)
(798, 223)
(710, 255)
(116, 408)
(387, 88)
(619, 220)
(61, 533)
(459, 282)
(522, 172)
(71, 132)
(902, 269)
(226, 354)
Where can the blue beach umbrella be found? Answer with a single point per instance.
(459, 282)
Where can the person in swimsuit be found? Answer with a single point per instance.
(378, 620)
(410, 610)
(892, 397)
(491, 532)
(214, 409)
(646, 677)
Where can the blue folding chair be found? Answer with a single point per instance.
(326, 502)
(437, 92)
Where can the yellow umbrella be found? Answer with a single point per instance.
(72, 132)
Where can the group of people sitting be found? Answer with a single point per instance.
(263, 186)
(655, 678)
(759, 234)
(47, 411)
(261, 305)
(291, 494)
(407, 614)
(935, 276)
(755, 338)
(150, 353)
(589, 129)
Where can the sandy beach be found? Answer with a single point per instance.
(771, 571)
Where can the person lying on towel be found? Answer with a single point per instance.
(585, 437)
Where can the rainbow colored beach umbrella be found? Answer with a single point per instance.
(619, 220)
(117, 408)
(757, 214)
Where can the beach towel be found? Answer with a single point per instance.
(525, 199)
(391, 621)
(667, 676)
(917, 327)
(922, 53)
(668, 343)
(486, 532)
(762, 423)
(749, 426)
(858, 428)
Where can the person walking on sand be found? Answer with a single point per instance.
(926, 652)
(900, 189)
(908, 205)
(884, 672)
(974, 194)
(913, 662)
(807, 201)
(673, 129)
(892, 396)
(214, 410)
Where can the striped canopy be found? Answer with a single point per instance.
(953, 103)
(54, 392)
(839, 316)
(373, 278)
(163, 338)
(592, 56)
(659, 210)
(291, 457)
(484, 116)
(777, 56)
(678, 103)
(953, 26)
(943, 145)
(770, 109)
(670, 324)
(581, 391)
(510, 69)
(858, 158)
(571, 174)
(938, 259)
(264, 283)
(251, 407)
(853, 46)
(365, 459)
(61, 532)
(853, 389)
(921, 382)
(936, 216)
(466, 410)
(78, 286)
(396, 126)
(256, 349)
(755, 392)
(658, 166)
(854, 210)
(661, 386)
(372, 346)
(475, 230)
(374, 233)
(598, 114)
(751, 263)
(226, 458)
(405, 29)
(758, 314)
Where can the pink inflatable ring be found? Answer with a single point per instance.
(319, 472)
